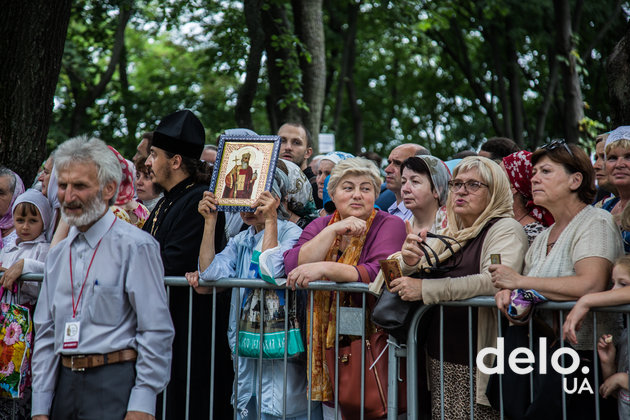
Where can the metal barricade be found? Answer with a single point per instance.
(354, 325)
(349, 322)
(413, 347)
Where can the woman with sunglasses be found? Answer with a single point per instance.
(479, 212)
(571, 258)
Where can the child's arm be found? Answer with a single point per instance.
(12, 274)
(606, 350)
(613, 383)
(606, 298)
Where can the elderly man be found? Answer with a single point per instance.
(393, 178)
(177, 225)
(103, 332)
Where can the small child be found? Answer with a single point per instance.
(31, 217)
(615, 377)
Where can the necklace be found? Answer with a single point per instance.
(154, 224)
(522, 217)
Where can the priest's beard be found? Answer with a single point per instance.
(92, 211)
(244, 165)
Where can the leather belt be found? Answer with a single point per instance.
(80, 362)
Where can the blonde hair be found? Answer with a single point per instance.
(500, 200)
(623, 143)
(623, 262)
(624, 218)
(357, 166)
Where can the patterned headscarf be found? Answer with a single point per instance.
(336, 157)
(619, 133)
(292, 185)
(440, 175)
(518, 166)
(126, 190)
(6, 221)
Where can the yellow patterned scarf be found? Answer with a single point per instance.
(325, 313)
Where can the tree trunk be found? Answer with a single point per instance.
(32, 36)
(573, 102)
(516, 98)
(276, 26)
(88, 97)
(311, 33)
(357, 116)
(349, 37)
(618, 70)
(247, 92)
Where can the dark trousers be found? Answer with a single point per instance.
(199, 398)
(96, 393)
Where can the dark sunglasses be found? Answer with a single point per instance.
(554, 144)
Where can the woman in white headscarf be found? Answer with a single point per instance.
(28, 252)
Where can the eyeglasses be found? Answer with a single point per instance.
(469, 186)
(554, 144)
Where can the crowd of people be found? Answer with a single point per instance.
(524, 227)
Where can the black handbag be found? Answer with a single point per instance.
(394, 314)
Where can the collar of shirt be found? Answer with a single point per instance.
(395, 208)
(96, 232)
(40, 238)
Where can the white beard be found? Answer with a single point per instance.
(244, 165)
(92, 211)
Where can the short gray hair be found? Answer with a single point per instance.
(356, 166)
(83, 149)
(4, 171)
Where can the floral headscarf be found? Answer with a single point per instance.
(6, 220)
(518, 166)
(126, 190)
(291, 184)
(440, 175)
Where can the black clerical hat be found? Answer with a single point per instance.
(181, 133)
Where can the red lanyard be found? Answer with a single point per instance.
(75, 307)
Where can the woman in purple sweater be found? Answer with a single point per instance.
(343, 247)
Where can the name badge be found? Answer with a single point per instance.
(71, 334)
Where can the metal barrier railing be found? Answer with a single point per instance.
(357, 329)
(413, 347)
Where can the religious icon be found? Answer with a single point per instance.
(391, 271)
(244, 168)
(239, 182)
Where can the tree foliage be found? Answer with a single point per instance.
(445, 74)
